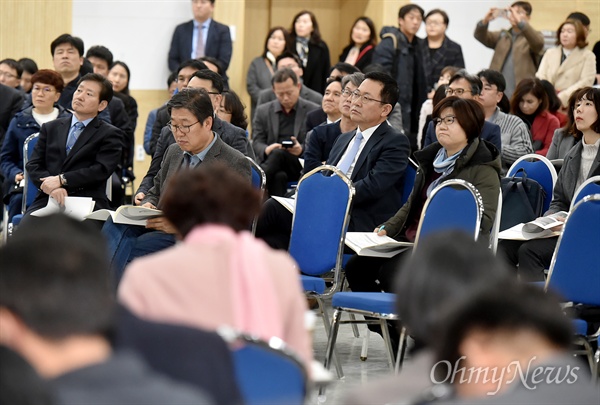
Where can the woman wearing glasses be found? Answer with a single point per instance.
(458, 154)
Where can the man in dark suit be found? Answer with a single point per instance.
(201, 36)
(278, 132)
(231, 135)
(191, 123)
(75, 156)
(467, 86)
(375, 162)
(11, 101)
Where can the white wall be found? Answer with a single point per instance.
(138, 32)
(463, 16)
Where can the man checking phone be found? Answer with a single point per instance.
(278, 132)
(517, 51)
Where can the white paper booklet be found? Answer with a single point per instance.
(370, 244)
(537, 229)
(127, 214)
(288, 203)
(76, 207)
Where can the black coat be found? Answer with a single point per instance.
(364, 57)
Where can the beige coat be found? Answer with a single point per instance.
(528, 44)
(578, 70)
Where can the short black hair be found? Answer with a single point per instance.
(509, 307)
(582, 18)
(215, 79)
(447, 267)
(473, 80)
(554, 103)
(390, 92)
(28, 65)
(172, 78)
(101, 52)
(525, 5)
(493, 77)
(14, 65)
(407, 8)
(193, 63)
(57, 282)
(196, 101)
(440, 12)
(75, 42)
(288, 54)
(106, 90)
(344, 68)
(215, 62)
(282, 75)
(234, 106)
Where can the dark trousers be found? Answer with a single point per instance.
(280, 168)
(274, 225)
(373, 274)
(532, 256)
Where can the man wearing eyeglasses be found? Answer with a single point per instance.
(10, 73)
(230, 134)
(467, 86)
(191, 123)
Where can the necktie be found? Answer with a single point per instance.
(76, 130)
(200, 42)
(347, 160)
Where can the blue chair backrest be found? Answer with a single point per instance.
(259, 179)
(540, 170)
(453, 205)
(320, 220)
(30, 191)
(590, 186)
(267, 376)
(409, 180)
(575, 268)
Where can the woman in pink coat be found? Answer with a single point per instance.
(219, 274)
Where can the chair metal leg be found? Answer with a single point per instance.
(401, 349)
(325, 316)
(329, 352)
(388, 343)
(365, 346)
(354, 327)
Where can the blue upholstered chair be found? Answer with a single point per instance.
(540, 169)
(267, 372)
(575, 269)
(259, 181)
(590, 186)
(456, 196)
(30, 191)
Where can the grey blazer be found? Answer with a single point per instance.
(566, 183)
(258, 79)
(560, 145)
(265, 126)
(306, 93)
(173, 160)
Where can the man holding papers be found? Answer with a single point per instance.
(374, 157)
(75, 156)
(191, 123)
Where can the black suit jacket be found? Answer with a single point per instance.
(218, 44)
(317, 67)
(449, 54)
(318, 144)
(11, 101)
(378, 176)
(92, 160)
(230, 134)
(189, 355)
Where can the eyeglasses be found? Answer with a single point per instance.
(458, 92)
(45, 90)
(448, 120)
(364, 99)
(346, 93)
(184, 129)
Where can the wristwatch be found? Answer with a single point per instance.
(63, 180)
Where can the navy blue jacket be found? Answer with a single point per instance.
(318, 144)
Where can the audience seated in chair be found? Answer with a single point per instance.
(580, 163)
(219, 274)
(56, 310)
